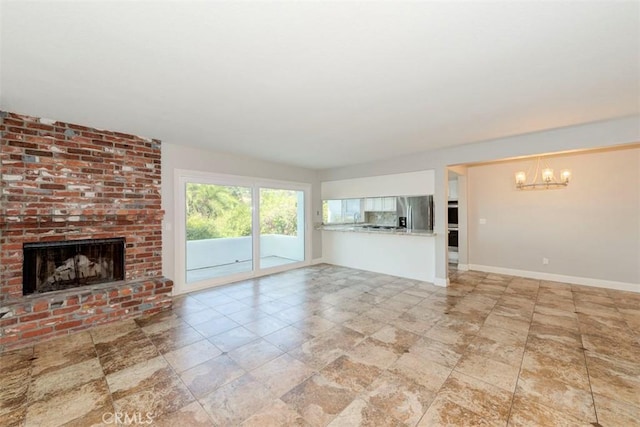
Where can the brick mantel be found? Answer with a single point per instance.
(62, 181)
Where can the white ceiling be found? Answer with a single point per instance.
(321, 84)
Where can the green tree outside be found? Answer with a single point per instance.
(215, 211)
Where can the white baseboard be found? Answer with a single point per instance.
(439, 281)
(463, 267)
(575, 280)
(317, 261)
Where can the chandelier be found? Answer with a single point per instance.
(547, 181)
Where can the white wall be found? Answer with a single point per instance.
(405, 184)
(188, 158)
(589, 229)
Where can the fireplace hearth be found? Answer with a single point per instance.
(54, 266)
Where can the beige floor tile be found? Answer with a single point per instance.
(510, 354)
(248, 316)
(288, 338)
(507, 322)
(488, 370)
(254, 354)
(361, 413)
(612, 412)
(337, 315)
(549, 336)
(215, 326)
(374, 352)
(15, 368)
(186, 304)
(236, 401)
(138, 377)
(129, 347)
(265, 326)
(175, 338)
(611, 347)
(529, 412)
(458, 340)
(276, 414)
(111, 332)
(192, 355)
(61, 352)
(364, 324)
(575, 402)
(316, 354)
(206, 316)
(314, 325)
(431, 350)
(399, 339)
(293, 314)
(485, 400)
(160, 323)
(282, 374)
(444, 412)
(45, 386)
(430, 375)
(319, 400)
(350, 373)
(614, 377)
(163, 397)
(233, 338)
(570, 368)
(400, 397)
(208, 376)
(382, 313)
(77, 402)
(191, 415)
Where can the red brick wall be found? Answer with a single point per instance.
(60, 181)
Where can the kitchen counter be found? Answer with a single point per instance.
(369, 229)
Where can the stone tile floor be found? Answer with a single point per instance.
(334, 346)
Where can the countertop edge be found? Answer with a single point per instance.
(359, 230)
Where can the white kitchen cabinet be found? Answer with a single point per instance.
(380, 204)
(369, 204)
(389, 204)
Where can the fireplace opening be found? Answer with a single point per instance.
(53, 266)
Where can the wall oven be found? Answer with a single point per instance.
(452, 220)
(452, 213)
(453, 238)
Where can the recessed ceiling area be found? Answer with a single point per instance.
(321, 84)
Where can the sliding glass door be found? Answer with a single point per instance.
(232, 228)
(218, 230)
(281, 227)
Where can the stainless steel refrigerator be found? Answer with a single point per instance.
(418, 211)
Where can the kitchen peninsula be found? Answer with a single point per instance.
(365, 225)
(388, 252)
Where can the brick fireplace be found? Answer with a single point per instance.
(62, 182)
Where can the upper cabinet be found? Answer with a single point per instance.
(389, 204)
(380, 204)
